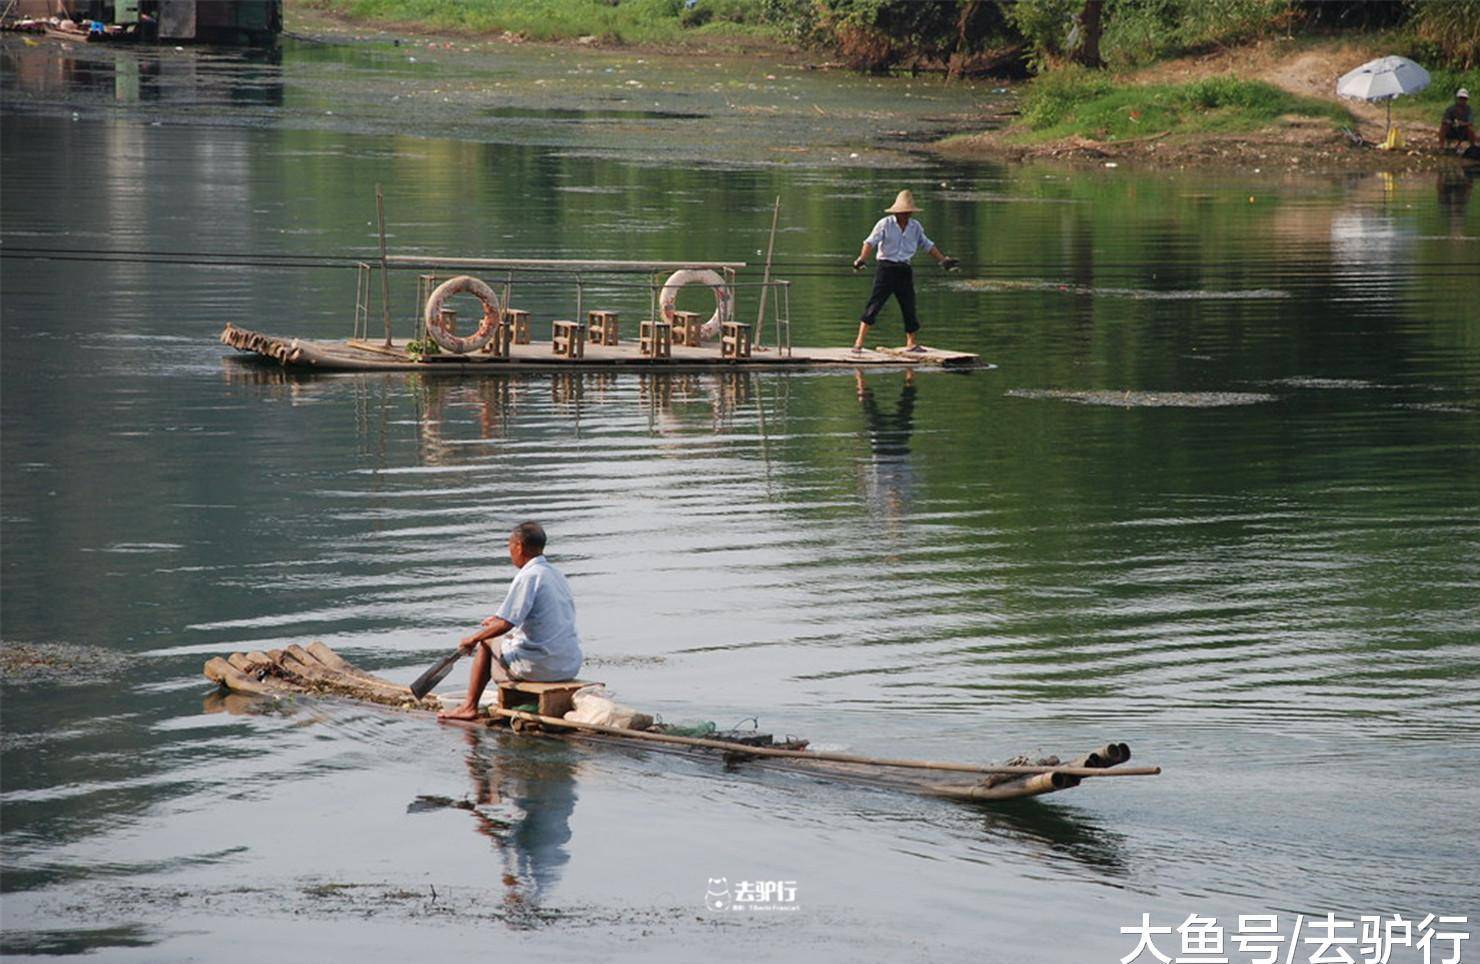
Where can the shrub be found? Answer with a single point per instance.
(1211, 93)
(1044, 25)
(1453, 27)
(1053, 96)
(1139, 31)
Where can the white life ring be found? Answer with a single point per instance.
(724, 298)
(447, 339)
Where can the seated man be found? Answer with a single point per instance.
(1457, 124)
(538, 618)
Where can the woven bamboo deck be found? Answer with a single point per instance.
(352, 355)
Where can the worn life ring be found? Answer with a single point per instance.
(724, 298)
(447, 339)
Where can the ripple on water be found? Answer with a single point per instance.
(1136, 399)
(1133, 294)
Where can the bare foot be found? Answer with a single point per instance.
(464, 712)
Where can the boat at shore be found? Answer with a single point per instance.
(539, 709)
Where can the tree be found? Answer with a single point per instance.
(1084, 38)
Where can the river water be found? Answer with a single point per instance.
(1219, 499)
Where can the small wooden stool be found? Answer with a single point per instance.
(498, 345)
(519, 321)
(734, 342)
(569, 339)
(602, 326)
(655, 339)
(554, 698)
(686, 328)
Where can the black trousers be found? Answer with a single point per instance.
(893, 278)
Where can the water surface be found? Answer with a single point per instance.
(1218, 500)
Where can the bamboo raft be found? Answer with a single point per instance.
(360, 355)
(317, 670)
(666, 339)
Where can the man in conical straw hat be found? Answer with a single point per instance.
(896, 237)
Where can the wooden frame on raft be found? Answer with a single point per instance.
(318, 670)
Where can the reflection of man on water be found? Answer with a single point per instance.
(540, 791)
(891, 476)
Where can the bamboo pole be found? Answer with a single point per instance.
(235, 674)
(557, 264)
(760, 318)
(385, 265)
(1029, 786)
(776, 752)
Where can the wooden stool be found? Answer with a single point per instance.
(569, 339)
(655, 339)
(519, 321)
(734, 341)
(686, 328)
(498, 345)
(554, 698)
(603, 327)
(447, 319)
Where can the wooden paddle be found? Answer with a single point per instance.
(436, 674)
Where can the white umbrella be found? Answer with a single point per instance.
(1383, 79)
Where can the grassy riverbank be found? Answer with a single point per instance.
(631, 22)
(1183, 91)
(1271, 102)
(1076, 102)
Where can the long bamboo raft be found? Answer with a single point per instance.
(663, 338)
(353, 354)
(318, 670)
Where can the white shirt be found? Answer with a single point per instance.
(895, 244)
(539, 603)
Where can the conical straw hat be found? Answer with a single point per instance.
(905, 202)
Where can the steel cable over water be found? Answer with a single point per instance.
(244, 260)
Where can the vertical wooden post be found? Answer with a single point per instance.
(760, 319)
(385, 265)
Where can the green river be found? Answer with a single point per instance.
(1219, 498)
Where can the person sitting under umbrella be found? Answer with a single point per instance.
(1457, 124)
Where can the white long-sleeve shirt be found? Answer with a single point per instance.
(892, 243)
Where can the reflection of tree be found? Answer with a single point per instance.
(538, 793)
(138, 75)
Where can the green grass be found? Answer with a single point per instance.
(1069, 102)
(630, 21)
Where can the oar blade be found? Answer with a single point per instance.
(435, 675)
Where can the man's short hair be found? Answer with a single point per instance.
(531, 537)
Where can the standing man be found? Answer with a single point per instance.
(896, 238)
(538, 616)
(1457, 124)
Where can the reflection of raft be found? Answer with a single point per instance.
(318, 670)
(360, 355)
